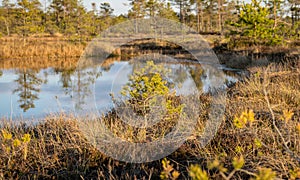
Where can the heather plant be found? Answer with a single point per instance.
(168, 171)
(14, 147)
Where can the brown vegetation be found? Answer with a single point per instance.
(57, 148)
(49, 48)
(60, 52)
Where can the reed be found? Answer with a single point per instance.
(17, 48)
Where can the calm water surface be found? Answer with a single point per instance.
(28, 93)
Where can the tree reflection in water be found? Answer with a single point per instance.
(84, 78)
(28, 88)
(180, 74)
(196, 73)
(65, 79)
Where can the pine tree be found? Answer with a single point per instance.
(254, 24)
(167, 12)
(276, 10)
(106, 12)
(152, 7)
(29, 17)
(184, 7)
(138, 9)
(5, 15)
(199, 12)
(295, 13)
(68, 15)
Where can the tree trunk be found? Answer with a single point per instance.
(199, 17)
(181, 12)
(219, 16)
(275, 14)
(7, 26)
(202, 18)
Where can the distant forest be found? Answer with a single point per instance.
(265, 21)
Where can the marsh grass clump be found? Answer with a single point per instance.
(52, 149)
(48, 47)
(260, 125)
(57, 149)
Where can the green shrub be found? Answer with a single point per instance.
(148, 87)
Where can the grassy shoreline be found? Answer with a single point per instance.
(268, 145)
(50, 48)
(35, 50)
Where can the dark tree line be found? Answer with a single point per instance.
(274, 18)
(67, 17)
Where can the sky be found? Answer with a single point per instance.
(117, 5)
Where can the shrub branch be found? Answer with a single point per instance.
(265, 84)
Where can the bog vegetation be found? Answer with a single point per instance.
(259, 137)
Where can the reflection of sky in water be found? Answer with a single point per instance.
(53, 98)
(111, 82)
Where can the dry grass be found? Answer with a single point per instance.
(58, 150)
(260, 143)
(17, 48)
